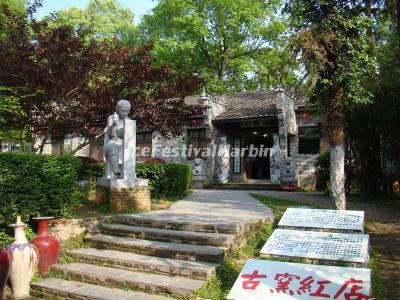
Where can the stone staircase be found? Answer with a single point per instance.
(245, 186)
(143, 258)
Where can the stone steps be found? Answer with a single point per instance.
(157, 255)
(184, 224)
(119, 278)
(167, 235)
(159, 249)
(56, 288)
(136, 262)
(245, 186)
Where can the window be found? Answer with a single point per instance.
(143, 139)
(309, 139)
(57, 146)
(197, 138)
(288, 145)
(96, 150)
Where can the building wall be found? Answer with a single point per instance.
(305, 162)
(206, 170)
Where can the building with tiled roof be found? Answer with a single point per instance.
(284, 129)
(288, 128)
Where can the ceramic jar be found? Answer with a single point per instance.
(47, 245)
(24, 260)
(4, 270)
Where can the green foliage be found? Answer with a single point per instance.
(166, 180)
(374, 129)
(235, 44)
(322, 170)
(37, 185)
(331, 38)
(104, 18)
(90, 170)
(5, 239)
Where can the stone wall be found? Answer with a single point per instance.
(137, 199)
(305, 162)
(287, 127)
(71, 143)
(159, 143)
(200, 167)
(65, 229)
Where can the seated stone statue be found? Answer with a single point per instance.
(126, 190)
(113, 140)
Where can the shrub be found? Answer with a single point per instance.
(37, 185)
(152, 159)
(90, 168)
(166, 180)
(322, 169)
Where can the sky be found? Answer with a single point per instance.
(139, 7)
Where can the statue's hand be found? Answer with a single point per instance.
(114, 119)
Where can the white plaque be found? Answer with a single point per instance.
(267, 280)
(323, 218)
(318, 245)
(236, 158)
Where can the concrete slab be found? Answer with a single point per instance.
(221, 211)
(261, 279)
(336, 247)
(160, 249)
(167, 235)
(111, 277)
(79, 290)
(329, 219)
(137, 262)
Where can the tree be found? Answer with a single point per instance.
(66, 85)
(14, 33)
(331, 37)
(234, 44)
(104, 18)
(374, 129)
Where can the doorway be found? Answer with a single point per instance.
(258, 167)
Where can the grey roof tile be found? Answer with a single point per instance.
(243, 105)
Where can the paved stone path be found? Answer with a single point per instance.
(159, 254)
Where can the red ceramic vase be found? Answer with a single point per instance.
(47, 244)
(4, 270)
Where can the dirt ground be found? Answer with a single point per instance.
(383, 225)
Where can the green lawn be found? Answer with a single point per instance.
(219, 285)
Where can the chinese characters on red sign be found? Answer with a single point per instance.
(350, 290)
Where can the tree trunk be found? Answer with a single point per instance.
(337, 176)
(333, 127)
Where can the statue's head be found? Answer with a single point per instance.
(123, 108)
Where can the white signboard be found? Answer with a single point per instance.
(318, 245)
(265, 280)
(236, 158)
(323, 218)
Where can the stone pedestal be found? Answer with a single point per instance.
(102, 194)
(135, 198)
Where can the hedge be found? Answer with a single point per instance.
(166, 180)
(37, 185)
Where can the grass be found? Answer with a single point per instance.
(219, 285)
